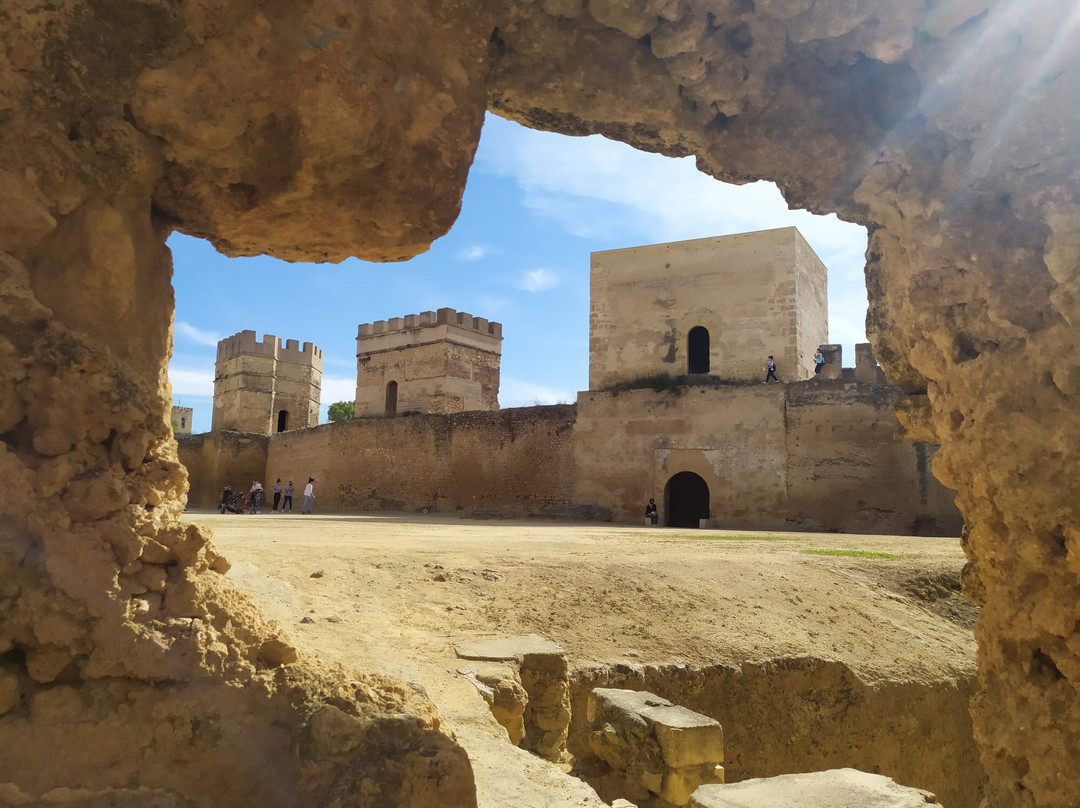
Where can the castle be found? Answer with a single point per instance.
(265, 387)
(675, 410)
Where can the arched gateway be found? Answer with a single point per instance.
(686, 500)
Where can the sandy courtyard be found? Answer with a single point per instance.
(394, 595)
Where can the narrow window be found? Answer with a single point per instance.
(697, 350)
(391, 399)
(183, 423)
(282, 420)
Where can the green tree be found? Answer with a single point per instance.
(340, 411)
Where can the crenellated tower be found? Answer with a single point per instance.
(432, 362)
(265, 386)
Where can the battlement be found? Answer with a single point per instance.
(246, 342)
(428, 319)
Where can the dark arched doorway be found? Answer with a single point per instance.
(686, 500)
(391, 399)
(282, 420)
(697, 350)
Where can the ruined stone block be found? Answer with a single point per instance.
(834, 361)
(541, 671)
(837, 788)
(660, 748)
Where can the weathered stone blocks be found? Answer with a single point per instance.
(658, 748)
(533, 667)
(838, 788)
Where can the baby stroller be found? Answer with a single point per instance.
(233, 504)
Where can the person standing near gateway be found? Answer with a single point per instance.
(770, 366)
(819, 361)
(309, 495)
(650, 512)
(277, 494)
(288, 498)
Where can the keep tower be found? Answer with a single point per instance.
(433, 362)
(266, 386)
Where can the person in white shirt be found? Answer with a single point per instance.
(309, 495)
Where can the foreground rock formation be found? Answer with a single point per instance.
(327, 129)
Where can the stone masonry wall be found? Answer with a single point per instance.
(765, 294)
(442, 362)
(215, 459)
(819, 455)
(516, 459)
(845, 468)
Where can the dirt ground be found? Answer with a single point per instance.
(395, 594)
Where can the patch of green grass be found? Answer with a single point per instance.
(852, 554)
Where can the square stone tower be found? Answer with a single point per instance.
(266, 387)
(432, 362)
(716, 306)
(181, 418)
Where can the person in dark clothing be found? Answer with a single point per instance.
(770, 366)
(651, 513)
(819, 362)
(277, 494)
(287, 502)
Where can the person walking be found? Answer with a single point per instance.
(770, 366)
(819, 361)
(309, 495)
(256, 496)
(277, 494)
(651, 513)
(287, 502)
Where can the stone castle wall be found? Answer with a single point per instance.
(816, 455)
(517, 460)
(766, 294)
(216, 458)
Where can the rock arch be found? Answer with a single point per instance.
(325, 129)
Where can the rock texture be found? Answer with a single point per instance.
(323, 129)
(654, 746)
(837, 788)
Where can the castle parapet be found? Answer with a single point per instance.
(426, 319)
(866, 367)
(246, 342)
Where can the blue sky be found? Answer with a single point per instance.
(535, 206)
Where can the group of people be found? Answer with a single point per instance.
(770, 366)
(283, 497)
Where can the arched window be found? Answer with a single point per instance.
(183, 423)
(686, 500)
(391, 399)
(697, 350)
(282, 420)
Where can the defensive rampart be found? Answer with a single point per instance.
(816, 455)
(516, 460)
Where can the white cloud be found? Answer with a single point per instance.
(514, 392)
(337, 388)
(666, 199)
(538, 280)
(474, 252)
(187, 382)
(197, 335)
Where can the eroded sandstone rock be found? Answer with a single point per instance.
(327, 129)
